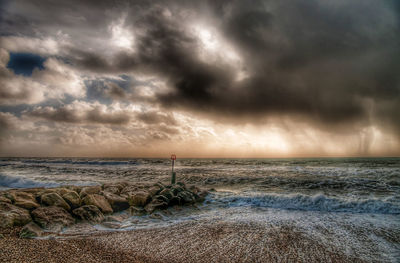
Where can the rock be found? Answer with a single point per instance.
(5, 199)
(73, 199)
(90, 190)
(118, 203)
(62, 191)
(25, 200)
(99, 201)
(137, 211)
(167, 193)
(129, 190)
(156, 216)
(176, 189)
(161, 198)
(194, 189)
(187, 197)
(54, 199)
(27, 204)
(155, 204)
(52, 217)
(30, 230)
(116, 218)
(202, 196)
(89, 213)
(140, 198)
(175, 201)
(11, 215)
(114, 188)
(155, 189)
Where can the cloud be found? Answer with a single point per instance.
(329, 67)
(80, 112)
(55, 81)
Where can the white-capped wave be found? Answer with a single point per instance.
(317, 202)
(7, 181)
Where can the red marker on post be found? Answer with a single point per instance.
(173, 158)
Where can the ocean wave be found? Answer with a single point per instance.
(80, 162)
(7, 181)
(317, 202)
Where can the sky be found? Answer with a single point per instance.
(271, 78)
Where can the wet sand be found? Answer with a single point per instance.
(185, 242)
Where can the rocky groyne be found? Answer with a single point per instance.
(49, 210)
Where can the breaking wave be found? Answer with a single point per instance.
(7, 181)
(317, 202)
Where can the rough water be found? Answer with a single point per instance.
(349, 204)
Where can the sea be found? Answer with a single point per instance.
(351, 204)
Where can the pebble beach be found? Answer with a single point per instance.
(188, 242)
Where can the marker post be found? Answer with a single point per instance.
(173, 177)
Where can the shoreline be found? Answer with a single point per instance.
(202, 241)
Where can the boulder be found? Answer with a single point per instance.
(118, 203)
(89, 213)
(114, 188)
(176, 189)
(137, 211)
(167, 193)
(5, 199)
(11, 215)
(90, 190)
(175, 201)
(25, 200)
(155, 189)
(201, 196)
(30, 230)
(62, 191)
(99, 201)
(140, 198)
(27, 204)
(129, 190)
(186, 197)
(155, 204)
(54, 199)
(73, 199)
(52, 217)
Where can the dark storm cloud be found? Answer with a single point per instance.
(331, 62)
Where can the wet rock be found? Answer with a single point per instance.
(89, 213)
(90, 190)
(176, 189)
(155, 204)
(175, 201)
(25, 200)
(187, 197)
(118, 203)
(116, 218)
(140, 198)
(73, 199)
(99, 201)
(62, 191)
(202, 196)
(11, 215)
(54, 199)
(5, 199)
(154, 190)
(52, 217)
(156, 216)
(137, 211)
(114, 188)
(167, 193)
(30, 230)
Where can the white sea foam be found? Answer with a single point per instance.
(318, 202)
(7, 181)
